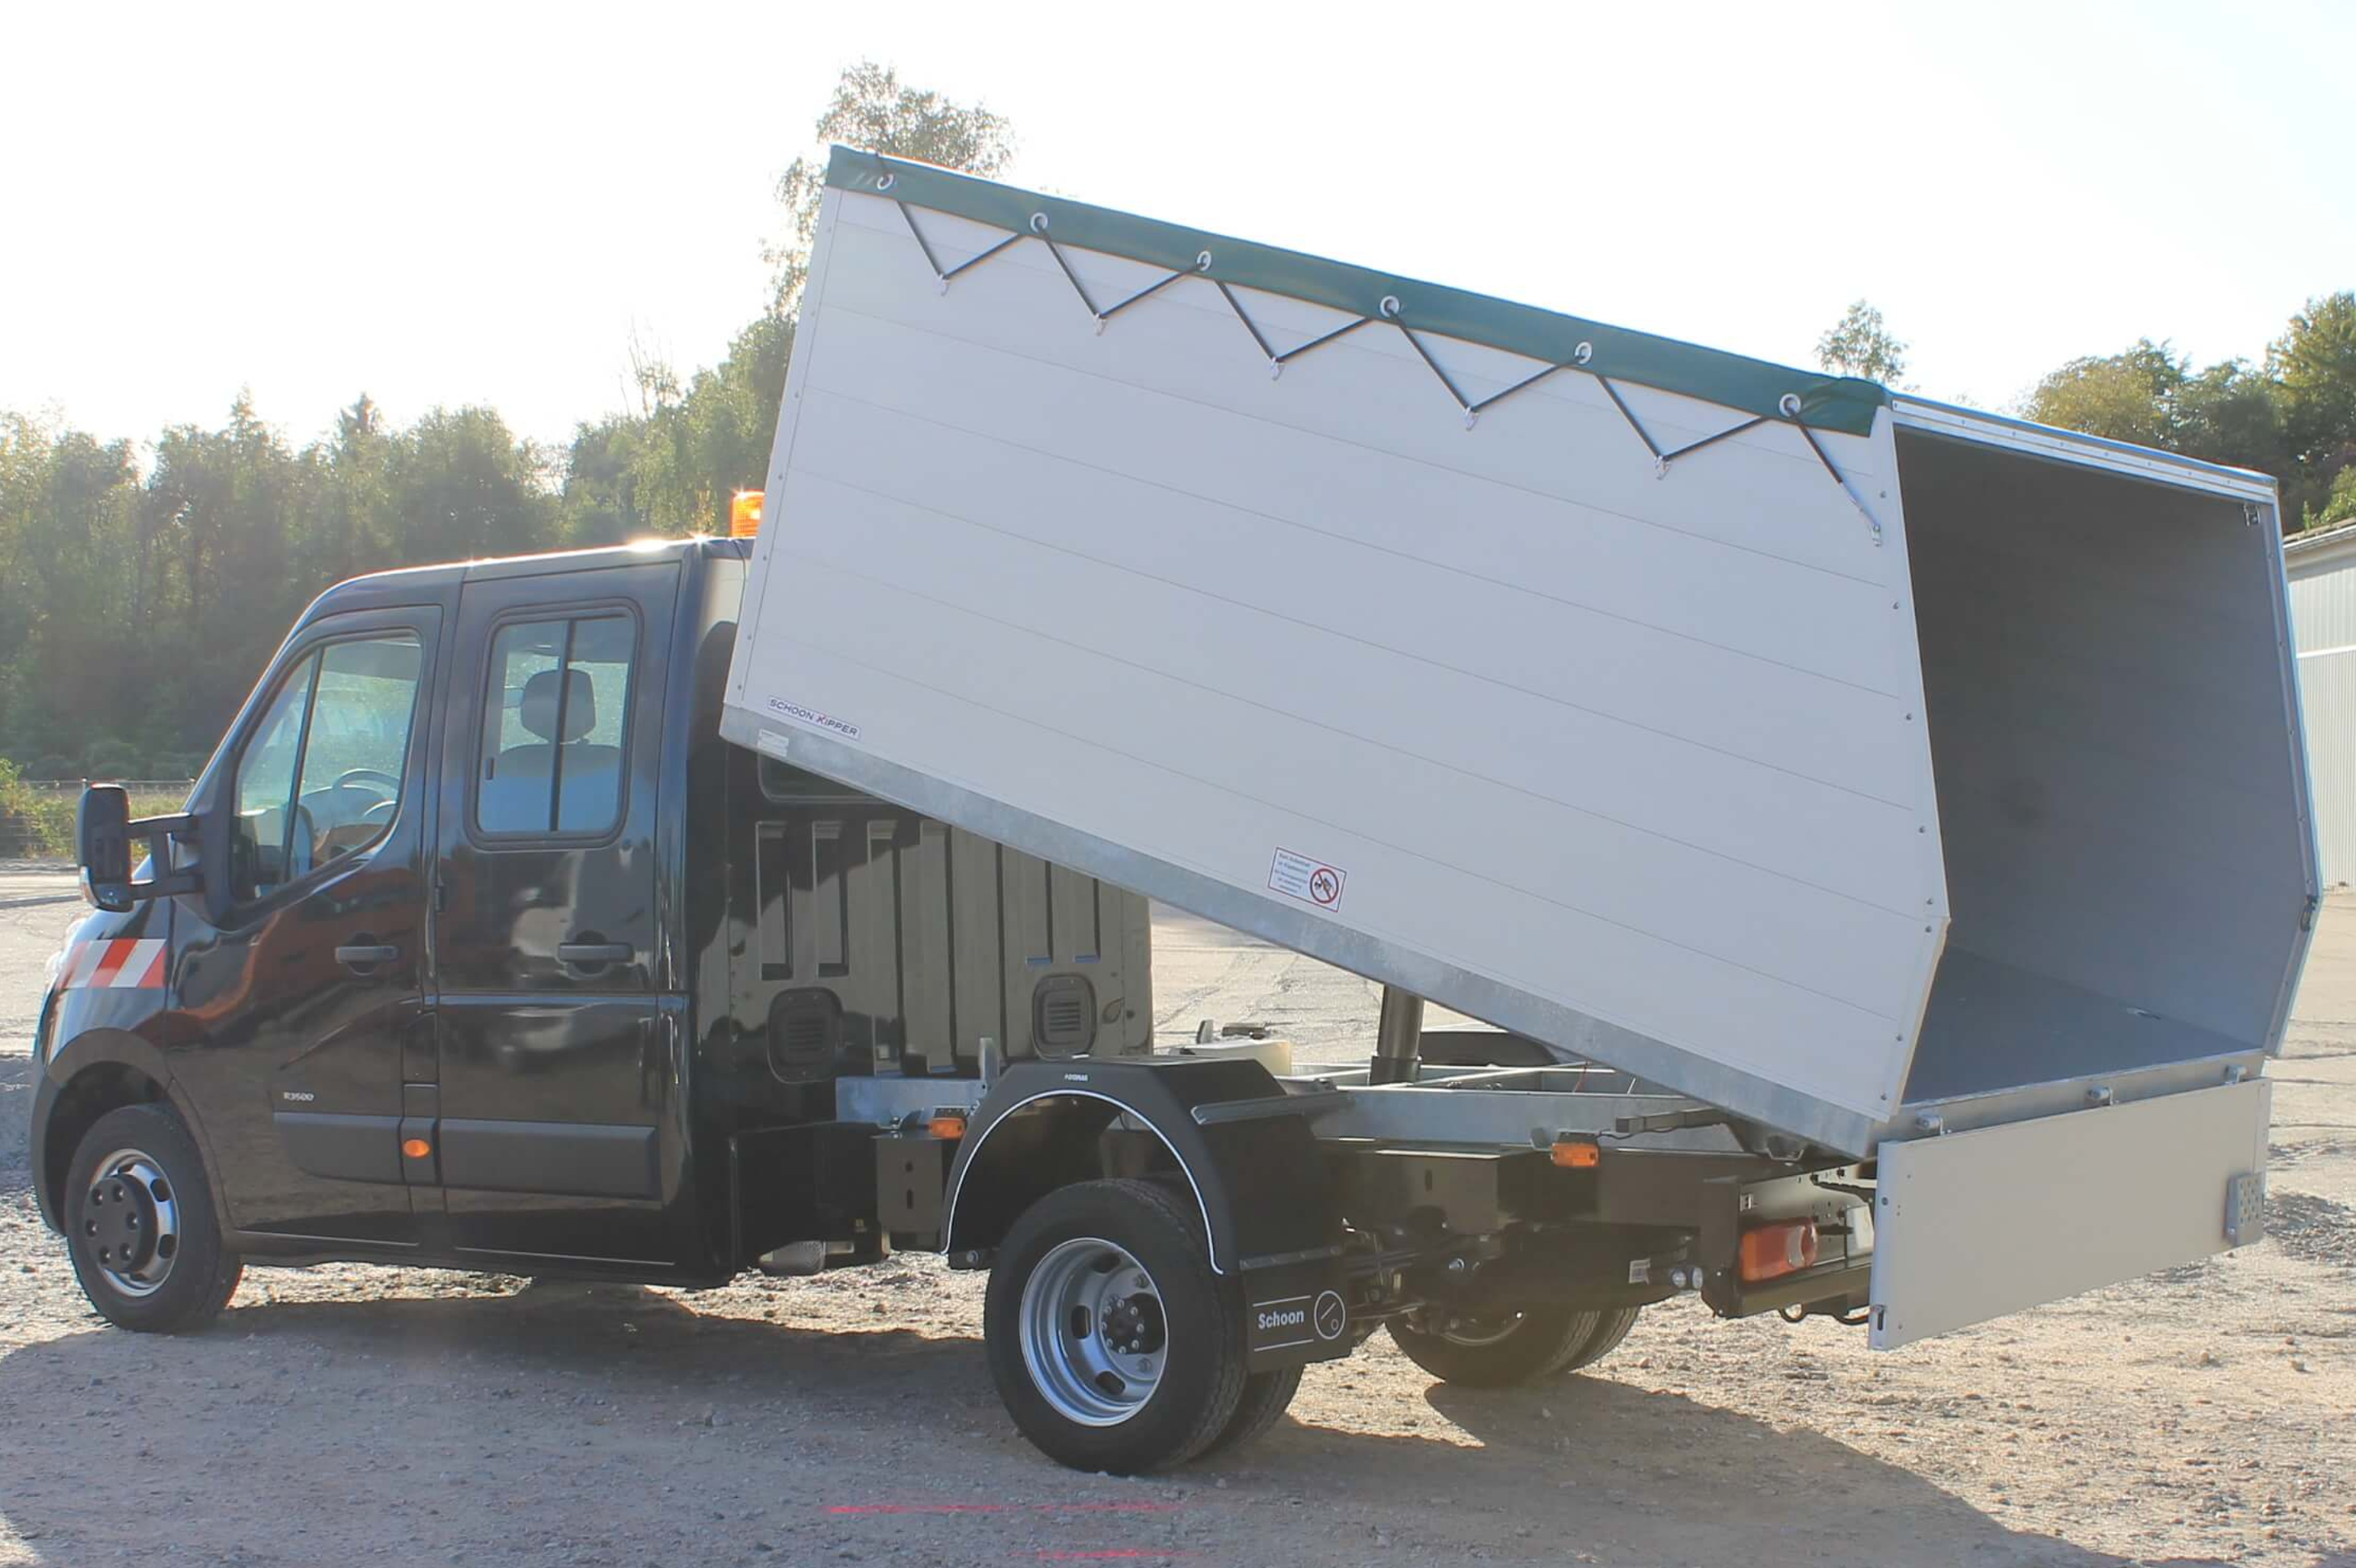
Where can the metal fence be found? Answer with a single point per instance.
(21, 837)
(136, 786)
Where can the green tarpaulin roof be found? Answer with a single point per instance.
(1754, 386)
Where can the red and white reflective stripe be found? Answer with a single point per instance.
(134, 964)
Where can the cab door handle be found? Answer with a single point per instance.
(362, 957)
(588, 954)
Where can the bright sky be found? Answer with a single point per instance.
(484, 202)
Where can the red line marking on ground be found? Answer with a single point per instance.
(1003, 1508)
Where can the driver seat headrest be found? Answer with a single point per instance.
(538, 713)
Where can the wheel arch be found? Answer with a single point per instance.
(1038, 1129)
(97, 1071)
(1043, 1142)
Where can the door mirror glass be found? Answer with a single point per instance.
(102, 842)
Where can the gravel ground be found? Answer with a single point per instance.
(345, 1413)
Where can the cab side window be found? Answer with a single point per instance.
(266, 788)
(321, 777)
(555, 719)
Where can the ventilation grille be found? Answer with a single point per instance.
(805, 1030)
(1063, 1016)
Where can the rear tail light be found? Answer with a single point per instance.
(1771, 1252)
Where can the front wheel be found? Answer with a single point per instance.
(1114, 1346)
(140, 1225)
(1502, 1349)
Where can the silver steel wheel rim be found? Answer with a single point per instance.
(1473, 1333)
(131, 1223)
(1094, 1335)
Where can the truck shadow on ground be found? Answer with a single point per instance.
(16, 1117)
(622, 1426)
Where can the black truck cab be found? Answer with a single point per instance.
(498, 956)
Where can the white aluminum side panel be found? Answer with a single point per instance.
(1975, 1225)
(2323, 617)
(1630, 763)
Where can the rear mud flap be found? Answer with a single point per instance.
(1298, 1313)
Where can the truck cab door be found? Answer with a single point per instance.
(556, 1102)
(298, 975)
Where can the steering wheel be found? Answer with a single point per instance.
(353, 775)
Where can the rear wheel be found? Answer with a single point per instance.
(1612, 1329)
(1502, 1349)
(1113, 1344)
(1265, 1398)
(140, 1225)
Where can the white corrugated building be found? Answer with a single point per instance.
(2322, 568)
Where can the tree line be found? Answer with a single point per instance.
(138, 601)
(2291, 414)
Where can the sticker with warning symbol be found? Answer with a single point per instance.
(1311, 881)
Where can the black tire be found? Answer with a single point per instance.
(1265, 1398)
(1539, 1343)
(1200, 1378)
(137, 1188)
(1611, 1328)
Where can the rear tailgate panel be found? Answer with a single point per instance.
(1971, 1226)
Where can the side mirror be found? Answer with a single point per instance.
(103, 832)
(102, 842)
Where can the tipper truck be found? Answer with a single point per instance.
(1875, 835)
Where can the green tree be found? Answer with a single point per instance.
(2339, 505)
(351, 526)
(671, 467)
(200, 565)
(872, 109)
(673, 471)
(2232, 412)
(1861, 344)
(2130, 396)
(2315, 362)
(77, 568)
(464, 487)
(2295, 418)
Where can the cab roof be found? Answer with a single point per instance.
(407, 584)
